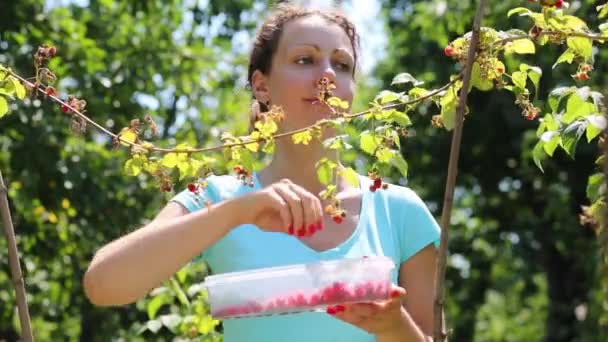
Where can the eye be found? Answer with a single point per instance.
(304, 60)
(343, 66)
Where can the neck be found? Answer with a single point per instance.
(297, 163)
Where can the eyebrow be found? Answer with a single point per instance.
(316, 47)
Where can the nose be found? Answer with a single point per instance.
(327, 71)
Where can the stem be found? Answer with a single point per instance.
(439, 331)
(552, 33)
(13, 257)
(320, 123)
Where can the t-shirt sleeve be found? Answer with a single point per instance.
(417, 227)
(194, 201)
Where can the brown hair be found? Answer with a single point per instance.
(269, 34)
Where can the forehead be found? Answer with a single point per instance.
(315, 30)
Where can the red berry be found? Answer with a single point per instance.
(449, 51)
(238, 169)
(377, 183)
(192, 187)
(372, 188)
(559, 3)
(50, 91)
(65, 109)
(51, 51)
(337, 219)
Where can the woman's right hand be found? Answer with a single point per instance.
(284, 207)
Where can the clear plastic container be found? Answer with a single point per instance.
(299, 288)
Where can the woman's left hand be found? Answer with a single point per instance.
(377, 318)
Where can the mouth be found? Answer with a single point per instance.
(312, 100)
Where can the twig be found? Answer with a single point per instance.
(440, 331)
(320, 123)
(13, 258)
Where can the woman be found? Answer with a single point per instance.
(280, 219)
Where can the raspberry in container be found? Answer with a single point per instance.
(299, 288)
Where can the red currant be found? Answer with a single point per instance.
(192, 187)
(377, 182)
(337, 219)
(449, 51)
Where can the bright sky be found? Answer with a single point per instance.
(365, 14)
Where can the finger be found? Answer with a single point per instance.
(343, 313)
(284, 212)
(364, 310)
(294, 202)
(311, 218)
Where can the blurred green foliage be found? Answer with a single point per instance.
(521, 267)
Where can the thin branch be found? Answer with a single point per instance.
(551, 33)
(13, 258)
(320, 123)
(440, 331)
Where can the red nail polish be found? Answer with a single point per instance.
(290, 230)
(301, 232)
(311, 229)
(340, 308)
(331, 310)
(395, 293)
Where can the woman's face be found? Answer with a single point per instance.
(309, 48)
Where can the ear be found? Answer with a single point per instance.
(259, 86)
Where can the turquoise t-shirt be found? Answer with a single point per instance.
(394, 222)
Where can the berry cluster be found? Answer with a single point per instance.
(583, 72)
(337, 214)
(377, 182)
(325, 87)
(551, 3)
(335, 293)
(243, 175)
(43, 54)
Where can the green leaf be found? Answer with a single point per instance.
(534, 74)
(603, 10)
(571, 135)
(519, 79)
(567, 56)
(539, 155)
(449, 103)
(597, 123)
(576, 108)
(400, 118)
(386, 96)
(350, 176)
(171, 321)
(520, 46)
(155, 304)
(593, 186)
(154, 326)
(400, 164)
(551, 141)
(325, 169)
(170, 160)
(385, 155)
(3, 106)
(477, 81)
(302, 137)
(581, 46)
(557, 95)
(406, 78)
(179, 293)
(19, 88)
(368, 142)
(518, 10)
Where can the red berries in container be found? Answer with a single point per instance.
(299, 288)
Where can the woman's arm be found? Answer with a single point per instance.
(417, 276)
(128, 268)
